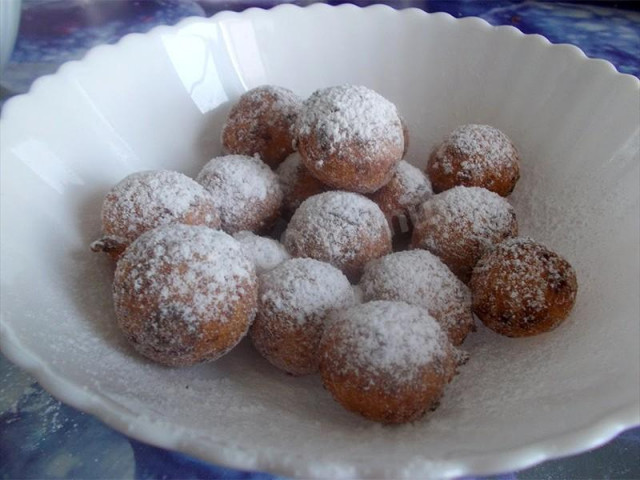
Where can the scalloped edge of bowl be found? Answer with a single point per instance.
(164, 435)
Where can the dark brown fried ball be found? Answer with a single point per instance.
(521, 288)
(294, 301)
(297, 184)
(420, 278)
(184, 294)
(245, 192)
(387, 361)
(146, 200)
(350, 137)
(344, 229)
(398, 199)
(260, 123)
(475, 156)
(460, 224)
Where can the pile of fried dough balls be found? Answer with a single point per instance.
(312, 235)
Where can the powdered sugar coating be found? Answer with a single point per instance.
(342, 228)
(458, 225)
(148, 199)
(522, 288)
(420, 278)
(350, 137)
(304, 288)
(349, 113)
(407, 189)
(265, 252)
(245, 191)
(414, 185)
(260, 123)
(184, 294)
(297, 183)
(489, 142)
(293, 303)
(388, 361)
(475, 155)
(385, 339)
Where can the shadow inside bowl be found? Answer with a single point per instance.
(92, 276)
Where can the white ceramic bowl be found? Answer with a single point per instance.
(158, 100)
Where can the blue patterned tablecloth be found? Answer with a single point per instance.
(43, 438)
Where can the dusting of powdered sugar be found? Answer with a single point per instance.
(147, 199)
(266, 253)
(420, 278)
(266, 104)
(482, 147)
(478, 214)
(288, 174)
(350, 114)
(358, 294)
(304, 290)
(398, 199)
(261, 123)
(415, 186)
(335, 223)
(385, 338)
(188, 272)
(242, 187)
(408, 188)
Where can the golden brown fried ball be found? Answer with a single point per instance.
(344, 229)
(260, 123)
(420, 278)
(148, 199)
(245, 192)
(294, 301)
(350, 137)
(184, 294)
(460, 224)
(387, 361)
(475, 156)
(521, 288)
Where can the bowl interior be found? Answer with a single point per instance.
(159, 101)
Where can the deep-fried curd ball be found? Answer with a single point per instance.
(245, 192)
(460, 224)
(184, 294)
(260, 123)
(420, 278)
(387, 361)
(350, 137)
(521, 288)
(341, 228)
(294, 302)
(146, 200)
(475, 156)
